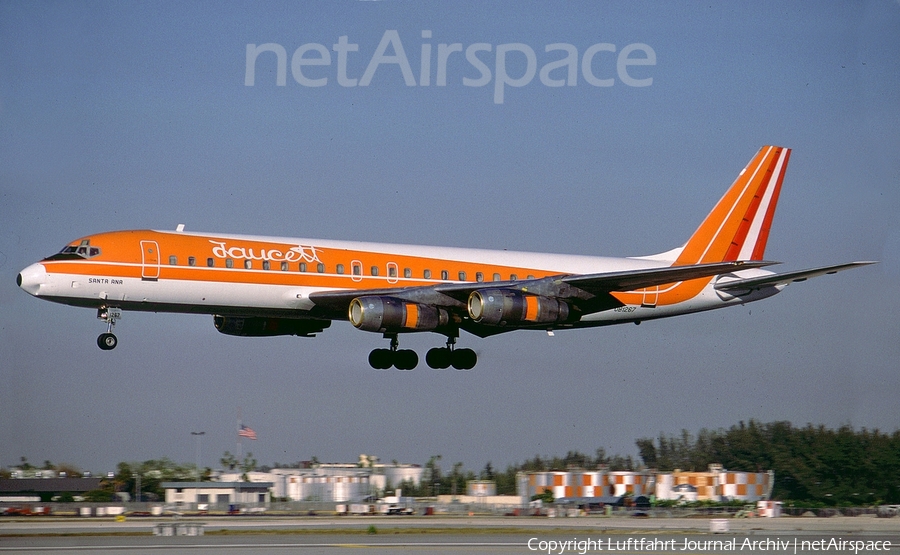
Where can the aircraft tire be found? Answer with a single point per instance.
(438, 358)
(405, 359)
(381, 359)
(107, 341)
(464, 359)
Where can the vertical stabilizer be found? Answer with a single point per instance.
(738, 226)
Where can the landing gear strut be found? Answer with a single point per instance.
(108, 341)
(445, 357)
(402, 359)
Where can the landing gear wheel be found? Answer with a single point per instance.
(107, 341)
(381, 359)
(438, 358)
(405, 359)
(464, 359)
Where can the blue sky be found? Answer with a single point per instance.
(136, 115)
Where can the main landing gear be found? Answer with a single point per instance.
(108, 341)
(402, 359)
(445, 357)
(437, 358)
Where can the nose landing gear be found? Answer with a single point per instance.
(108, 341)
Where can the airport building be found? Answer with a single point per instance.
(585, 483)
(45, 489)
(217, 494)
(337, 482)
(714, 484)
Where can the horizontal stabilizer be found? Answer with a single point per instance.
(786, 278)
(631, 280)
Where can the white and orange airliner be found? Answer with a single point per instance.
(268, 286)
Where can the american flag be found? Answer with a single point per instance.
(246, 431)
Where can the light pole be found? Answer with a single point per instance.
(198, 436)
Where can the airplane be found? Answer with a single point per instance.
(270, 286)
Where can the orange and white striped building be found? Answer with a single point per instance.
(715, 483)
(586, 483)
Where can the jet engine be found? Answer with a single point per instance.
(503, 307)
(268, 327)
(389, 314)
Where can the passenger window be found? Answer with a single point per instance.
(303, 266)
(392, 271)
(173, 260)
(407, 273)
(513, 277)
(496, 277)
(445, 275)
(210, 262)
(192, 261)
(229, 263)
(357, 270)
(479, 276)
(320, 268)
(340, 268)
(266, 265)
(462, 276)
(530, 276)
(284, 266)
(426, 274)
(374, 270)
(248, 264)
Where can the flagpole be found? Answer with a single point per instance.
(239, 448)
(240, 444)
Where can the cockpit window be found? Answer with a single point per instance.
(74, 252)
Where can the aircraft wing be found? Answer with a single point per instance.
(754, 283)
(590, 292)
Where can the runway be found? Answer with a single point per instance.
(240, 535)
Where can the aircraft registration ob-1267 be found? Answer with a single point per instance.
(269, 286)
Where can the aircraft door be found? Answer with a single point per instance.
(651, 296)
(149, 260)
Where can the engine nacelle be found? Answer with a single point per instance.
(267, 327)
(503, 307)
(389, 314)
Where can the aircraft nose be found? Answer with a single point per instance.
(31, 278)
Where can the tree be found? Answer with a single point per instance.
(228, 461)
(546, 496)
(455, 477)
(433, 474)
(487, 473)
(152, 474)
(247, 465)
(647, 452)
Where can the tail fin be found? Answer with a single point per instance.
(738, 226)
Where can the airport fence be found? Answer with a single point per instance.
(417, 507)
